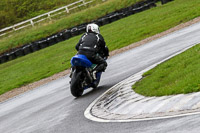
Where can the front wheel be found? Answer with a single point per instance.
(75, 86)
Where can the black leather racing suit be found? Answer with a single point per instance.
(93, 46)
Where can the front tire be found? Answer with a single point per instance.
(75, 86)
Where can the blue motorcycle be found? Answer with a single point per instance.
(81, 75)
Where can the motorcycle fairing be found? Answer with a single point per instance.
(81, 60)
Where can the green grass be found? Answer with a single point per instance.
(180, 74)
(36, 66)
(20, 38)
(56, 58)
(15, 11)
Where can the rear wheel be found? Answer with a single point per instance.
(75, 86)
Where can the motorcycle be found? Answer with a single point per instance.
(81, 75)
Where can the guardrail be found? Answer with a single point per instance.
(40, 18)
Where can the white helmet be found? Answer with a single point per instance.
(93, 28)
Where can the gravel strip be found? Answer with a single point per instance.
(31, 86)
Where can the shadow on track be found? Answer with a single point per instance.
(98, 90)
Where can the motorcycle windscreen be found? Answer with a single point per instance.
(81, 60)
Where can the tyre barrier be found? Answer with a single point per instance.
(50, 41)
(77, 30)
(152, 4)
(11, 56)
(74, 31)
(165, 1)
(82, 28)
(146, 7)
(126, 12)
(19, 52)
(67, 34)
(59, 37)
(43, 43)
(104, 21)
(3, 58)
(99, 22)
(27, 49)
(34, 46)
(114, 17)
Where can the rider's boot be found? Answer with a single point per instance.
(94, 74)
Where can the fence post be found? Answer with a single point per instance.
(13, 27)
(49, 16)
(84, 2)
(67, 10)
(32, 23)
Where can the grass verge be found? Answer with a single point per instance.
(54, 59)
(180, 74)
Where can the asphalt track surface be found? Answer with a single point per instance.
(52, 109)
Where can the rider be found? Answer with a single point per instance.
(93, 46)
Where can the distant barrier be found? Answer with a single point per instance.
(66, 34)
(165, 1)
(40, 18)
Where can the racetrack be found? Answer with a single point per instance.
(51, 108)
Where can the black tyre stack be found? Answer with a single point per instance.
(3, 58)
(34, 46)
(27, 49)
(19, 52)
(66, 34)
(165, 1)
